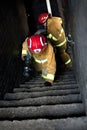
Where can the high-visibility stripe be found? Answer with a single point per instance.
(67, 62)
(62, 43)
(49, 36)
(54, 38)
(60, 20)
(40, 61)
(49, 76)
(61, 32)
(45, 77)
(60, 35)
(24, 52)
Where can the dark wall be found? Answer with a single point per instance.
(12, 34)
(35, 7)
(14, 29)
(17, 19)
(78, 28)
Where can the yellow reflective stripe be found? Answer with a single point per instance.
(60, 35)
(49, 76)
(62, 43)
(61, 32)
(43, 61)
(55, 39)
(45, 77)
(67, 62)
(24, 52)
(40, 61)
(49, 36)
(60, 20)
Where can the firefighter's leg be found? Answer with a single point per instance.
(66, 59)
(37, 66)
(49, 78)
(39, 69)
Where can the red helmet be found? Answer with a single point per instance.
(43, 17)
(36, 43)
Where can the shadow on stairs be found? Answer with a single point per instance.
(33, 106)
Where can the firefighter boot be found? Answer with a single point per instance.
(47, 83)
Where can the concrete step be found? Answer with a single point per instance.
(41, 84)
(23, 95)
(48, 100)
(38, 81)
(76, 123)
(64, 78)
(35, 104)
(42, 89)
(47, 111)
(45, 88)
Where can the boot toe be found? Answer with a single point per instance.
(47, 83)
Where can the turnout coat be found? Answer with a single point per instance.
(44, 60)
(56, 34)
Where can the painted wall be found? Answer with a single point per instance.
(78, 29)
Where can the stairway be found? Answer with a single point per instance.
(33, 106)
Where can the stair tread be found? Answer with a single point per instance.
(41, 85)
(76, 123)
(47, 111)
(33, 100)
(21, 95)
(38, 81)
(73, 98)
(44, 88)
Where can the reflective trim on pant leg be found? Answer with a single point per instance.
(61, 44)
(49, 76)
(67, 62)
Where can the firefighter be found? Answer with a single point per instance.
(43, 54)
(56, 34)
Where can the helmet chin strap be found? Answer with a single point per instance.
(49, 7)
